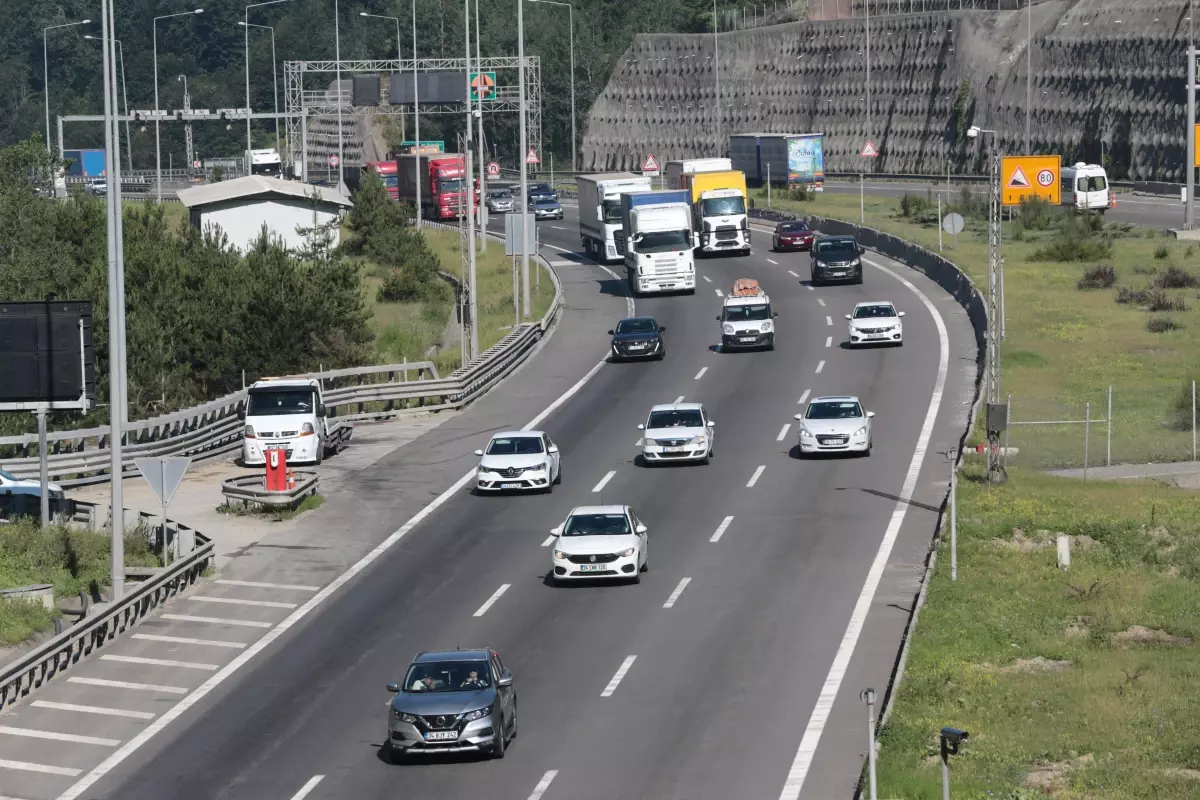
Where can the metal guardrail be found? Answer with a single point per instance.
(105, 623)
(248, 489)
(1148, 187)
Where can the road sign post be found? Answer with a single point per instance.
(493, 170)
(650, 166)
(164, 476)
(868, 151)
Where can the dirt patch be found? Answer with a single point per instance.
(1036, 664)
(1178, 772)
(1142, 635)
(1022, 542)
(1079, 628)
(1052, 778)
(1162, 539)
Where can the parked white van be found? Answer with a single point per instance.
(1085, 186)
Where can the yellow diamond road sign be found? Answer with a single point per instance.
(1022, 177)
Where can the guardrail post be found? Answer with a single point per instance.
(1108, 430)
(361, 406)
(1087, 428)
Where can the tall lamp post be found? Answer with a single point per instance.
(246, 49)
(571, 17)
(125, 102)
(46, 71)
(717, 74)
(274, 77)
(157, 142)
(416, 97)
(526, 299)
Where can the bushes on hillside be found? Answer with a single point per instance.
(1098, 277)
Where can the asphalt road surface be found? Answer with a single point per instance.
(800, 575)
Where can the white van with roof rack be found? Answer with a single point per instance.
(1085, 186)
(747, 319)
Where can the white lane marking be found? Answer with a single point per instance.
(46, 769)
(772, 261)
(783, 432)
(150, 637)
(491, 600)
(559, 249)
(141, 687)
(74, 738)
(793, 273)
(173, 713)
(757, 474)
(233, 601)
(706, 279)
(161, 662)
(549, 541)
(604, 480)
(543, 785)
(828, 320)
(820, 366)
(718, 291)
(716, 537)
(217, 620)
(858, 618)
(700, 374)
(260, 585)
(810, 288)
(821, 301)
(828, 343)
(678, 591)
(105, 712)
(629, 308)
(556, 227)
(677, 401)
(616, 679)
(308, 787)
(803, 397)
(639, 442)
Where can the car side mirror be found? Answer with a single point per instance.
(641, 427)
(641, 528)
(242, 414)
(711, 424)
(847, 316)
(718, 319)
(505, 679)
(662, 329)
(870, 414)
(610, 333)
(321, 410)
(797, 416)
(902, 313)
(478, 452)
(553, 448)
(862, 250)
(776, 314)
(393, 687)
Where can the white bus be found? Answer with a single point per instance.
(1085, 186)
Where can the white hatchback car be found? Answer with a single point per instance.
(518, 460)
(677, 432)
(835, 424)
(876, 323)
(600, 542)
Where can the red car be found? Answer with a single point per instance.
(792, 235)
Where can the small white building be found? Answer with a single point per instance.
(241, 207)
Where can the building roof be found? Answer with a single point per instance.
(252, 185)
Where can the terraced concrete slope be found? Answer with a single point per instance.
(1111, 70)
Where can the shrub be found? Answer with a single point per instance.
(1175, 278)
(1076, 240)
(799, 194)
(1129, 296)
(1038, 215)
(1162, 325)
(400, 286)
(912, 205)
(1098, 277)
(1158, 300)
(1183, 406)
(1161, 252)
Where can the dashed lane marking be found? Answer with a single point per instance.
(307, 788)
(150, 637)
(804, 396)
(675, 594)
(217, 620)
(793, 273)
(549, 540)
(260, 585)
(678, 400)
(604, 480)
(140, 687)
(829, 341)
(45, 769)
(754, 478)
(820, 366)
(783, 432)
(772, 261)
(234, 601)
(821, 301)
(716, 537)
(543, 785)
(718, 291)
(828, 320)
(74, 738)
(161, 662)
(616, 679)
(706, 279)
(700, 374)
(496, 595)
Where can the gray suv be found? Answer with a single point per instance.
(836, 258)
(453, 701)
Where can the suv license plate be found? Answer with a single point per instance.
(512, 486)
(441, 736)
(593, 567)
(747, 338)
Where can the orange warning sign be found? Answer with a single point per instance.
(1030, 176)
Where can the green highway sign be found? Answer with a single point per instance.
(483, 83)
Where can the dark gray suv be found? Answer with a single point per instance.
(836, 258)
(453, 701)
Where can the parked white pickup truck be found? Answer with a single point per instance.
(290, 413)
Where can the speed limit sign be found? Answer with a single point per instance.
(334, 161)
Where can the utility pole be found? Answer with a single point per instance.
(1029, 72)
(187, 128)
(526, 298)
(416, 109)
(468, 189)
(1189, 221)
(483, 212)
(717, 74)
(337, 37)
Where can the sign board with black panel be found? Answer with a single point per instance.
(47, 359)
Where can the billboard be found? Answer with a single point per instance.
(1022, 177)
(365, 90)
(46, 355)
(806, 159)
(434, 87)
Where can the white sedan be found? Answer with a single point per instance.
(677, 432)
(518, 460)
(600, 542)
(876, 323)
(836, 424)
(11, 484)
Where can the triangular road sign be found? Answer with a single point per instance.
(1018, 180)
(163, 474)
(869, 150)
(650, 165)
(532, 157)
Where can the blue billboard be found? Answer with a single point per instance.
(806, 159)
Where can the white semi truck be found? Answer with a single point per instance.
(600, 211)
(675, 170)
(289, 413)
(656, 239)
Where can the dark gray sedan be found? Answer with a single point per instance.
(453, 701)
(546, 208)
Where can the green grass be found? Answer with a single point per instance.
(1064, 346)
(1129, 710)
(309, 503)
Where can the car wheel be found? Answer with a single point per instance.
(320, 452)
(498, 747)
(858, 281)
(637, 577)
(513, 735)
(646, 564)
(390, 754)
(558, 476)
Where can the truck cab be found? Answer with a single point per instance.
(289, 413)
(657, 241)
(719, 211)
(747, 318)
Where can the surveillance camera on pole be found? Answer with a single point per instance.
(972, 131)
(950, 739)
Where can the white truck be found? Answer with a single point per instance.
(263, 162)
(290, 413)
(675, 170)
(656, 239)
(600, 211)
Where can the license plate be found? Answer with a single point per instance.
(748, 339)
(674, 449)
(838, 274)
(593, 567)
(441, 736)
(637, 347)
(835, 441)
(512, 485)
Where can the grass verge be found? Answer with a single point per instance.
(309, 503)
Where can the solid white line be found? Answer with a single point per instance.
(678, 591)
(821, 301)
(810, 288)
(46, 769)
(858, 618)
(604, 480)
(616, 679)
(820, 366)
(700, 374)
(217, 620)
(828, 342)
(783, 433)
(161, 662)
(828, 320)
(716, 537)
(803, 397)
(793, 273)
(233, 601)
(495, 596)
(677, 400)
(308, 787)
(718, 291)
(142, 687)
(106, 712)
(772, 261)
(706, 278)
(754, 478)
(260, 585)
(150, 637)
(74, 738)
(543, 785)
(556, 247)
(176, 711)
(549, 541)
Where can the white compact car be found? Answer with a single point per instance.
(835, 425)
(677, 432)
(875, 323)
(518, 460)
(600, 542)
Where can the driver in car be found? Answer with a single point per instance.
(473, 681)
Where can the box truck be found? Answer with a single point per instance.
(675, 170)
(656, 239)
(786, 159)
(600, 211)
(719, 217)
(85, 163)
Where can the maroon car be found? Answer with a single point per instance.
(792, 235)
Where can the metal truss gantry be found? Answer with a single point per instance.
(300, 104)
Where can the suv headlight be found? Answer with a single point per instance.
(626, 553)
(478, 713)
(559, 555)
(766, 326)
(404, 716)
(861, 431)
(856, 263)
(728, 329)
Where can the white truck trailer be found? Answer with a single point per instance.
(675, 170)
(600, 211)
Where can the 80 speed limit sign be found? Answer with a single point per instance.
(1045, 177)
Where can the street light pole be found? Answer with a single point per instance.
(274, 78)
(125, 102)
(46, 72)
(1029, 71)
(468, 189)
(717, 74)
(571, 16)
(482, 146)
(416, 112)
(157, 141)
(526, 299)
(337, 45)
(246, 26)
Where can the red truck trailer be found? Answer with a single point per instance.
(443, 183)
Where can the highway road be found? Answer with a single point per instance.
(797, 576)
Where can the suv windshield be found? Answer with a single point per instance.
(596, 525)
(871, 312)
(612, 211)
(274, 404)
(664, 242)
(448, 676)
(689, 418)
(744, 313)
(540, 188)
(516, 446)
(722, 206)
(637, 326)
(837, 249)
(793, 227)
(834, 410)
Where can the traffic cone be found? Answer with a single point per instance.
(291, 480)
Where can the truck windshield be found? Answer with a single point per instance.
(664, 242)
(612, 211)
(744, 313)
(389, 181)
(1092, 183)
(451, 185)
(722, 206)
(274, 404)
